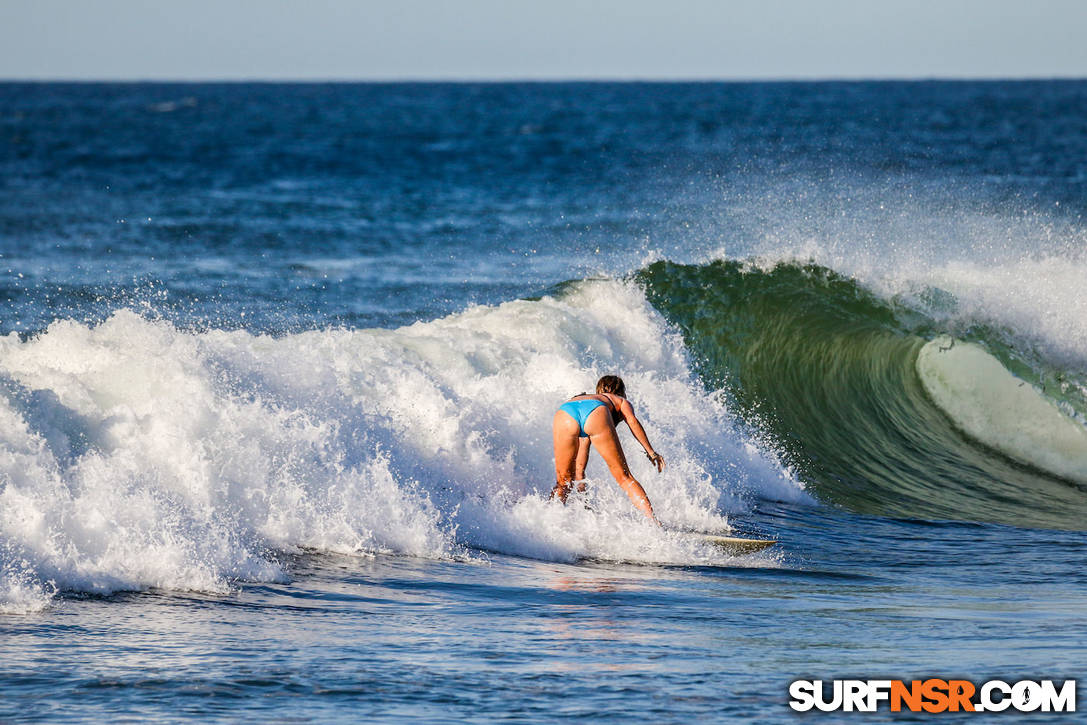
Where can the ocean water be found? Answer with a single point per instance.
(278, 364)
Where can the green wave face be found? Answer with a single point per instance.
(830, 371)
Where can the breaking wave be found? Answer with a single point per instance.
(955, 395)
(134, 454)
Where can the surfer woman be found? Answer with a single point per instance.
(586, 420)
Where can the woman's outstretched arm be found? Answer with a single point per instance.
(636, 428)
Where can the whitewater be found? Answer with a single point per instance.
(137, 455)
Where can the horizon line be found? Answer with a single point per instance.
(496, 80)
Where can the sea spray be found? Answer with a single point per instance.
(137, 454)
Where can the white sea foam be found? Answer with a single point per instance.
(136, 455)
(1041, 300)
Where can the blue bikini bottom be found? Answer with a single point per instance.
(579, 410)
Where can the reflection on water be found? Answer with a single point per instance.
(352, 637)
(593, 630)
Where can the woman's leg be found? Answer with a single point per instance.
(583, 447)
(564, 430)
(602, 434)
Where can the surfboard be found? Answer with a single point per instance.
(735, 545)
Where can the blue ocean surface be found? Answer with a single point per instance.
(278, 364)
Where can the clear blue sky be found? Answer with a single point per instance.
(505, 39)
